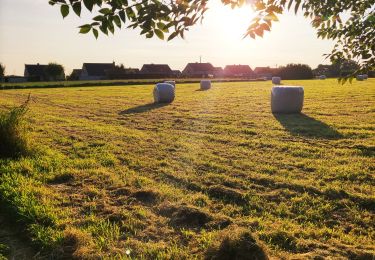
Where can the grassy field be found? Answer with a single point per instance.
(215, 171)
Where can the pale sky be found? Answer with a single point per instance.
(32, 31)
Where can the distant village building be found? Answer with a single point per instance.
(35, 72)
(265, 72)
(238, 71)
(95, 71)
(156, 70)
(198, 70)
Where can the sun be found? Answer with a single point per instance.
(231, 23)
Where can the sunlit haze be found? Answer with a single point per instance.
(32, 31)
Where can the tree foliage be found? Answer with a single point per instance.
(54, 71)
(2, 70)
(295, 71)
(351, 23)
(340, 68)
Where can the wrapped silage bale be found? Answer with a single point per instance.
(164, 93)
(360, 77)
(365, 76)
(205, 84)
(287, 99)
(172, 82)
(276, 80)
(322, 77)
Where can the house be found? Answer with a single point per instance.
(238, 71)
(265, 72)
(156, 70)
(198, 70)
(35, 72)
(95, 71)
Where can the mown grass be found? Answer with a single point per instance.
(210, 174)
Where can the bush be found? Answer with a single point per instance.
(14, 141)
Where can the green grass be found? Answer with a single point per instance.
(14, 141)
(210, 174)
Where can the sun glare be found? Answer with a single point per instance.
(230, 23)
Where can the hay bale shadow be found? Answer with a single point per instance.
(303, 125)
(143, 108)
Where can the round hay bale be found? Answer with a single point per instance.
(164, 93)
(365, 76)
(322, 77)
(360, 77)
(205, 84)
(172, 82)
(276, 80)
(287, 99)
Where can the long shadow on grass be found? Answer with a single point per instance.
(143, 108)
(303, 125)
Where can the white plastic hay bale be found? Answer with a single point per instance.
(205, 84)
(360, 77)
(172, 82)
(276, 80)
(322, 77)
(365, 76)
(287, 99)
(164, 93)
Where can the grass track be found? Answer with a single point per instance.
(114, 171)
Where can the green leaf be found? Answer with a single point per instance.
(98, 18)
(105, 11)
(159, 33)
(122, 16)
(104, 29)
(85, 28)
(64, 9)
(77, 8)
(89, 4)
(173, 35)
(95, 32)
(117, 21)
(150, 34)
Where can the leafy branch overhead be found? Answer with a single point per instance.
(151, 16)
(350, 23)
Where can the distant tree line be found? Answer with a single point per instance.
(295, 71)
(337, 69)
(54, 71)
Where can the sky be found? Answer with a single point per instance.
(32, 31)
